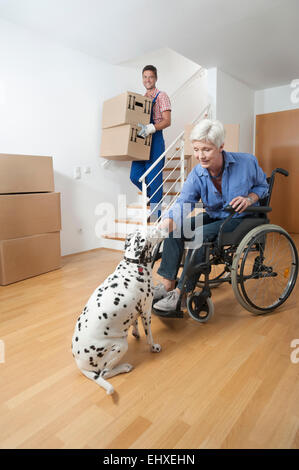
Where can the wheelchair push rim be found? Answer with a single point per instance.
(264, 269)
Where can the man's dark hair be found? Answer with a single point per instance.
(152, 68)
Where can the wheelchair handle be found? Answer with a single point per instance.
(281, 171)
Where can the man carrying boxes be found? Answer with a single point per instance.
(160, 119)
(132, 127)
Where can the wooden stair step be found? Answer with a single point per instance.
(172, 193)
(115, 236)
(171, 180)
(171, 169)
(139, 206)
(134, 205)
(131, 221)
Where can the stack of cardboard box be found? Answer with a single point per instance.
(30, 220)
(120, 119)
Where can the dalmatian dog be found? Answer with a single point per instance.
(100, 337)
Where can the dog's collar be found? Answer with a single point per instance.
(138, 261)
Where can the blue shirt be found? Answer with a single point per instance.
(241, 175)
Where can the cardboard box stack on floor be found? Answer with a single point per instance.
(30, 220)
(121, 116)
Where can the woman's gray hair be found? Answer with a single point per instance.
(209, 131)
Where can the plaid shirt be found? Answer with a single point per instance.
(162, 104)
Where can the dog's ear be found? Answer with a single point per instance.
(128, 239)
(139, 243)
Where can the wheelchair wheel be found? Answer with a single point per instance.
(264, 269)
(200, 309)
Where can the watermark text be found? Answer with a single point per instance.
(295, 353)
(295, 93)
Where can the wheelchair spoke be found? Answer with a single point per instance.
(270, 273)
(265, 269)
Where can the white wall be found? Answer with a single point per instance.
(212, 89)
(235, 105)
(276, 99)
(187, 105)
(51, 100)
(51, 103)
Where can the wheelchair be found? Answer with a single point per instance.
(258, 259)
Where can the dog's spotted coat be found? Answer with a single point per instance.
(100, 336)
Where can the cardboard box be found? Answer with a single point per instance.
(21, 258)
(22, 215)
(26, 174)
(122, 143)
(127, 108)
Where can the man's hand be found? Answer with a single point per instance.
(146, 130)
(240, 203)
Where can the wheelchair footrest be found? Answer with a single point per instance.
(169, 314)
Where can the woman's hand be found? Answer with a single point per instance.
(240, 203)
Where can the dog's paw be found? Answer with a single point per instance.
(156, 348)
(126, 367)
(105, 373)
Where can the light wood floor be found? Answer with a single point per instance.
(229, 383)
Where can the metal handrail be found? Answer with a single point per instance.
(142, 178)
(170, 146)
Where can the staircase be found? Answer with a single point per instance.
(135, 212)
(174, 171)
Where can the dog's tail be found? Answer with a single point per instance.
(96, 377)
(103, 383)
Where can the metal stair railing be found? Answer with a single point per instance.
(180, 179)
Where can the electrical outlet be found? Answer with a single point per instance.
(77, 172)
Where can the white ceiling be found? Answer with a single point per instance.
(255, 41)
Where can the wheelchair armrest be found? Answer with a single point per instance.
(256, 209)
(232, 212)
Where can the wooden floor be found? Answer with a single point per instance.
(229, 383)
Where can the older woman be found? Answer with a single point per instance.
(220, 178)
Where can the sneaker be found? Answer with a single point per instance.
(169, 302)
(159, 292)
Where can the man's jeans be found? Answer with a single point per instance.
(174, 247)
